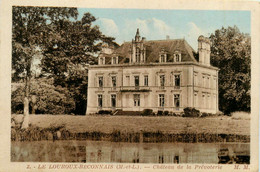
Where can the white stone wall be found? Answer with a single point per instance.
(193, 91)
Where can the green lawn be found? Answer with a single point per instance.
(167, 124)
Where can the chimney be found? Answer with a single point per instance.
(204, 50)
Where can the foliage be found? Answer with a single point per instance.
(147, 112)
(65, 44)
(231, 53)
(50, 99)
(72, 46)
(191, 112)
(105, 112)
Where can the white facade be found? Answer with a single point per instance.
(170, 82)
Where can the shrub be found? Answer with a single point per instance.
(204, 114)
(159, 113)
(104, 112)
(50, 99)
(191, 112)
(147, 112)
(166, 113)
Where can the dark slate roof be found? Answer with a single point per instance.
(153, 49)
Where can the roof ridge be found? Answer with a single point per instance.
(179, 39)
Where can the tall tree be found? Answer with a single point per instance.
(29, 26)
(72, 46)
(231, 53)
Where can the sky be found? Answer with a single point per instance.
(157, 24)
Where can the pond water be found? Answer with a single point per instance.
(121, 152)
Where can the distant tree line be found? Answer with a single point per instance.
(66, 45)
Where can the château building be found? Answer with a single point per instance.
(162, 75)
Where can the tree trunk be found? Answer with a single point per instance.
(25, 123)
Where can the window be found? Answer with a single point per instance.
(208, 82)
(113, 100)
(146, 80)
(195, 79)
(177, 100)
(136, 81)
(114, 61)
(137, 55)
(203, 81)
(177, 57)
(214, 82)
(100, 81)
(114, 81)
(195, 99)
(162, 80)
(163, 58)
(127, 80)
(101, 60)
(136, 99)
(161, 100)
(100, 100)
(203, 100)
(177, 80)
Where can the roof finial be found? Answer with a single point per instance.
(137, 35)
(137, 32)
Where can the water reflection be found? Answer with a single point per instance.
(120, 152)
(164, 152)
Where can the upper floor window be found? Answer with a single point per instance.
(204, 81)
(100, 81)
(136, 99)
(146, 80)
(127, 80)
(162, 80)
(195, 79)
(177, 80)
(113, 81)
(161, 100)
(136, 80)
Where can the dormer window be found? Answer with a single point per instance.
(177, 57)
(114, 60)
(163, 56)
(101, 60)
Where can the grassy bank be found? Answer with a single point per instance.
(172, 125)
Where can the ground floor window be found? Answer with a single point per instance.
(161, 100)
(136, 99)
(100, 100)
(177, 100)
(113, 100)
